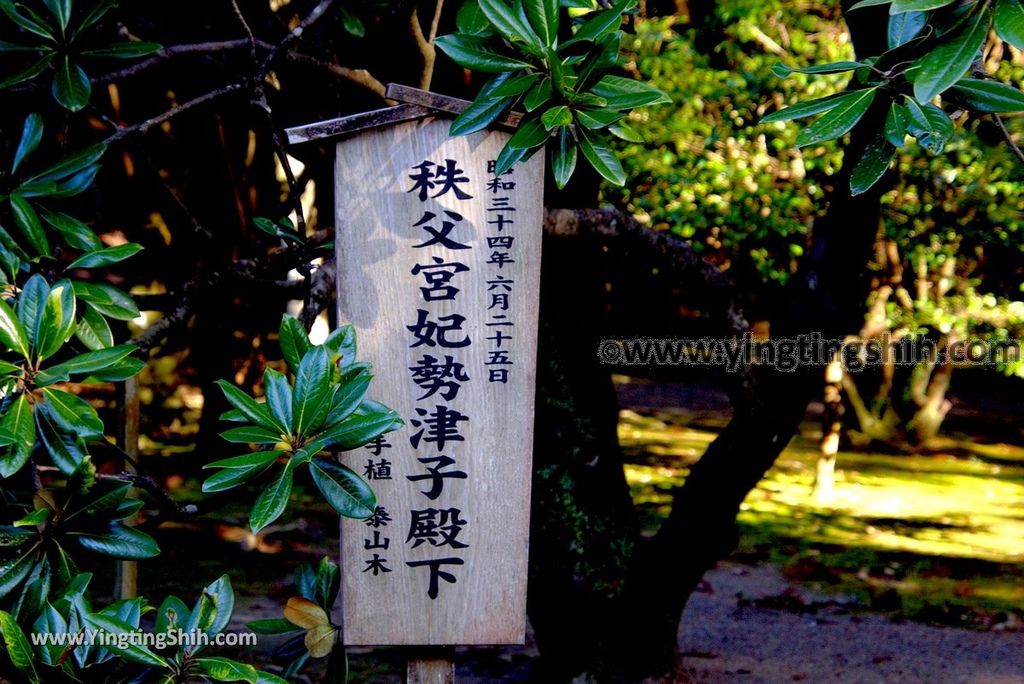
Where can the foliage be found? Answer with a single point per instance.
(563, 80)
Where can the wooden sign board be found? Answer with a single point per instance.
(439, 271)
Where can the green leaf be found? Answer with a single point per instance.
(1009, 22)
(75, 233)
(32, 23)
(224, 599)
(93, 330)
(124, 647)
(543, 15)
(929, 124)
(809, 108)
(15, 568)
(73, 164)
(64, 448)
(61, 10)
(106, 256)
(73, 414)
(603, 159)
(226, 670)
(345, 491)
(904, 27)
(102, 500)
(868, 3)
(624, 131)
(593, 29)
(293, 340)
(256, 413)
(12, 332)
(348, 395)
(988, 96)
(93, 361)
(19, 652)
(509, 25)
(27, 221)
(251, 434)
(895, 125)
(272, 502)
(475, 54)
(839, 120)
(946, 64)
(556, 116)
(596, 119)
(107, 300)
(129, 50)
(563, 158)
(538, 94)
(483, 112)
(28, 73)
(18, 422)
(279, 397)
(97, 12)
(353, 24)
(31, 134)
(872, 166)
(238, 470)
(328, 582)
(782, 70)
(517, 85)
(50, 621)
(31, 303)
(370, 421)
(118, 541)
(57, 321)
(470, 19)
(628, 93)
(71, 86)
(900, 6)
(529, 135)
(312, 391)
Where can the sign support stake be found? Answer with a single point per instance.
(431, 666)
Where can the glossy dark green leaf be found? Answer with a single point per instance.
(904, 27)
(71, 86)
(482, 113)
(27, 73)
(628, 93)
(93, 330)
(50, 621)
(31, 303)
(65, 450)
(78, 235)
(125, 648)
(14, 569)
(279, 397)
(235, 471)
(223, 597)
(475, 54)
(929, 124)
(596, 119)
(128, 50)
(368, 422)
(602, 158)
(312, 392)
(782, 70)
(271, 626)
(27, 221)
(516, 85)
(563, 158)
(76, 184)
(61, 11)
(107, 300)
(12, 331)
(872, 166)
(73, 164)
(597, 26)
(250, 408)
(105, 497)
(839, 120)
(251, 434)
(946, 64)
(801, 110)
(328, 583)
(624, 131)
(73, 414)
(31, 134)
(895, 125)
(900, 6)
(272, 502)
(17, 647)
(26, 19)
(118, 541)
(510, 25)
(540, 93)
(988, 96)
(293, 340)
(556, 116)
(57, 322)
(17, 421)
(348, 395)
(95, 13)
(1009, 22)
(470, 19)
(529, 135)
(227, 670)
(868, 3)
(543, 16)
(106, 256)
(90, 362)
(345, 491)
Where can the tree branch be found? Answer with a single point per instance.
(143, 127)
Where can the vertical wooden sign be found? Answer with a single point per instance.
(439, 271)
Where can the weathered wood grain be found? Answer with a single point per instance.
(378, 294)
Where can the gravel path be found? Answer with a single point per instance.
(731, 641)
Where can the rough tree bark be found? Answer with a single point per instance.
(603, 601)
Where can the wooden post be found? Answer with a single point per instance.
(127, 573)
(431, 666)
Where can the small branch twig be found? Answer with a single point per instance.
(294, 35)
(245, 27)
(142, 127)
(1009, 138)
(425, 44)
